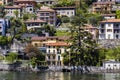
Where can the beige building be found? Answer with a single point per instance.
(102, 7)
(47, 14)
(53, 47)
(65, 11)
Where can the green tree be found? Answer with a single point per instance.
(50, 29)
(2, 12)
(11, 57)
(118, 14)
(16, 13)
(65, 19)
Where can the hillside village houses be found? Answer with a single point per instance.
(54, 46)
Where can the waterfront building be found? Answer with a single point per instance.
(109, 29)
(111, 65)
(47, 14)
(53, 47)
(102, 6)
(4, 24)
(13, 11)
(31, 24)
(66, 11)
(109, 16)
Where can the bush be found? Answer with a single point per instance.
(11, 57)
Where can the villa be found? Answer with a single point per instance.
(53, 47)
(66, 11)
(31, 24)
(10, 11)
(109, 29)
(47, 14)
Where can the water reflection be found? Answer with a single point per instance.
(57, 76)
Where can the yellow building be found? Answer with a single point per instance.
(53, 47)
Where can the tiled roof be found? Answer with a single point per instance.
(38, 38)
(108, 2)
(33, 21)
(50, 37)
(110, 20)
(66, 7)
(87, 26)
(13, 7)
(57, 44)
(108, 14)
(48, 10)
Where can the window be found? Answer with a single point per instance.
(102, 25)
(48, 57)
(67, 12)
(109, 30)
(53, 51)
(48, 51)
(47, 14)
(53, 57)
(117, 36)
(58, 58)
(36, 44)
(30, 9)
(71, 12)
(109, 25)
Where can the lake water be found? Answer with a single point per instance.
(4, 75)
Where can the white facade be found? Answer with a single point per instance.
(109, 30)
(67, 11)
(111, 65)
(29, 9)
(106, 0)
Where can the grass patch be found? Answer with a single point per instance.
(62, 33)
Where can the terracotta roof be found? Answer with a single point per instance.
(110, 20)
(38, 38)
(108, 14)
(13, 7)
(104, 2)
(57, 44)
(33, 21)
(48, 10)
(64, 7)
(87, 26)
(50, 37)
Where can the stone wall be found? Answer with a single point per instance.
(109, 43)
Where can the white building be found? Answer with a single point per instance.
(111, 65)
(65, 11)
(10, 11)
(109, 29)
(31, 24)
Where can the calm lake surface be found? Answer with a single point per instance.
(4, 75)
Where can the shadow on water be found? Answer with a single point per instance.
(4, 75)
